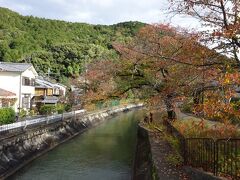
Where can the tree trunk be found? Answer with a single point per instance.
(170, 108)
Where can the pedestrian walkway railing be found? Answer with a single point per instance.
(19, 126)
(221, 157)
(22, 125)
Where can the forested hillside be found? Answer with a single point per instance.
(60, 46)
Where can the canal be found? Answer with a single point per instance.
(105, 152)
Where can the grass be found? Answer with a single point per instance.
(174, 159)
(154, 126)
(174, 156)
(154, 173)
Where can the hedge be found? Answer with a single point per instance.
(47, 109)
(7, 116)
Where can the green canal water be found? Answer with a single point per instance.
(105, 152)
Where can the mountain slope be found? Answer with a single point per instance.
(62, 47)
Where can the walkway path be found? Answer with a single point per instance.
(185, 117)
(163, 154)
(161, 151)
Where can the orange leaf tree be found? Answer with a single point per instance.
(164, 63)
(221, 19)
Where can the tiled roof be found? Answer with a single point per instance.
(40, 82)
(50, 100)
(6, 93)
(14, 67)
(44, 83)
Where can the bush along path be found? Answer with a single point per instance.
(165, 156)
(195, 127)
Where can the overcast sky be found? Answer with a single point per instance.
(99, 11)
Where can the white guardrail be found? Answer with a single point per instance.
(55, 118)
(37, 121)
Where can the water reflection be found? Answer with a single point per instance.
(102, 153)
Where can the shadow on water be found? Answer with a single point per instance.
(102, 153)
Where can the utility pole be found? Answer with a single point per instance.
(85, 82)
(48, 73)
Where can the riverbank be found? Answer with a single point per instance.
(20, 149)
(164, 155)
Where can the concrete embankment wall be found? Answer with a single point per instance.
(19, 149)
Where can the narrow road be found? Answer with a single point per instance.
(161, 152)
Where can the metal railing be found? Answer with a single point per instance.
(228, 157)
(221, 157)
(19, 126)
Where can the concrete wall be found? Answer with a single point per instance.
(19, 149)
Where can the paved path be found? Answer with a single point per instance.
(185, 116)
(161, 150)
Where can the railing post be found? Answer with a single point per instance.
(184, 151)
(215, 157)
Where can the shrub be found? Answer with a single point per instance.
(187, 107)
(115, 102)
(22, 113)
(32, 112)
(47, 109)
(68, 107)
(60, 108)
(99, 105)
(7, 116)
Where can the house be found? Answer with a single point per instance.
(7, 98)
(18, 80)
(47, 92)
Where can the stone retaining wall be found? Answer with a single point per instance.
(143, 168)
(19, 149)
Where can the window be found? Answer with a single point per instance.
(32, 82)
(56, 91)
(26, 81)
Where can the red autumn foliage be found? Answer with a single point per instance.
(220, 19)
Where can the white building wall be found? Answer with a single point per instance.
(12, 81)
(28, 89)
(62, 88)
